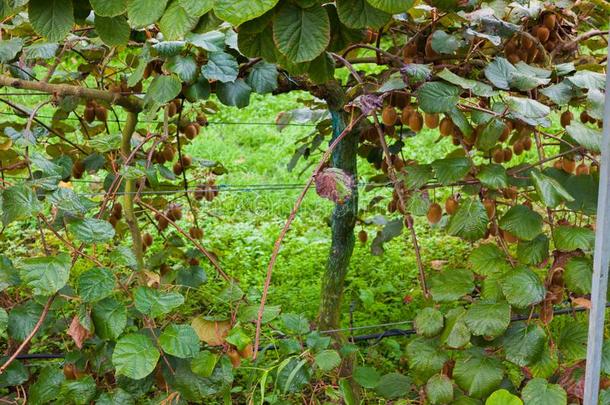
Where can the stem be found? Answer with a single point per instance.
(130, 188)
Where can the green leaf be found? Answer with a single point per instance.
(19, 202)
(444, 43)
(522, 288)
(595, 104)
(392, 6)
(534, 251)
(109, 8)
(144, 12)
(477, 374)
(238, 12)
(587, 137)
(503, 397)
(488, 259)
(10, 48)
(547, 364)
(523, 343)
(327, 360)
(116, 397)
(425, 359)
(451, 285)
(46, 275)
(47, 386)
(238, 338)
(360, 14)
(549, 190)
(560, 93)
(489, 136)
(456, 333)
(450, 170)
(418, 175)
(470, 221)
(367, 377)
(176, 21)
(263, 77)
(572, 341)
(236, 93)
(493, 176)
(52, 19)
(569, 238)
(439, 389)
(525, 82)
(197, 8)
(393, 385)
(429, 322)
(109, 317)
(301, 33)
(163, 89)
(578, 275)
(184, 66)
(585, 79)
(91, 230)
(499, 72)
(489, 319)
(135, 356)
(203, 363)
(477, 88)
(522, 222)
(15, 374)
(528, 110)
(179, 341)
(155, 303)
(257, 44)
(113, 31)
(200, 90)
(437, 97)
(22, 318)
(3, 321)
(80, 391)
(221, 66)
(538, 391)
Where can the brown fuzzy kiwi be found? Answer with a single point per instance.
(446, 126)
(177, 169)
(416, 121)
(511, 193)
(89, 114)
(566, 118)
(509, 237)
(193, 261)
(162, 223)
(527, 42)
(508, 154)
(168, 153)
(117, 210)
(113, 221)
(513, 58)
(451, 205)
(435, 213)
(389, 116)
(196, 233)
(455, 141)
(409, 50)
(498, 156)
(190, 131)
(518, 148)
(202, 119)
(186, 161)
(406, 113)
(582, 169)
(585, 117)
(568, 165)
(490, 207)
(431, 120)
(527, 143)
(558, 165)
(549, 21)
(363, 236)
(532, 54)
(101, 113)
(176, 212)
(543, 34)
(392, 206)
(172, 109)
(159, 157)
(147, 239)
(199, 193)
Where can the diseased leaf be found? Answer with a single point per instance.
(335, 185)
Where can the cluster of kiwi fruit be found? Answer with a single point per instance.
(173, 212)
(567, 116)
(409, 116)
(523, 48)
(165, 154)
(122, 88)
(116, 214)
(95, 111)
(568, 165)
(207, 190)
(416, 49)
(182, 164)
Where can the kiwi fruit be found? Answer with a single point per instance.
(199, 193)
(172, 109)
(176, 212)
(543, 34)
(490, 207)
(509, 237)
(363, 236)
(557, 164)
(177, 168)
(190, 131)
(162, 223)
(513, 58)
(582, 169)
(518, 148)
(147, 239)
(186, 160)
(527, 42)
(455, 141)
(101, 113)
(196, 233)
(113, 221)
(585, 118)
(406, 113)
(549, 21)
(568, 165)
(159, 157)
(416, 121)
(508, 154)
(193, 261)
(409, 50)
(392, 206)
(431, 120)
(446, 126)
(117, 210)
(89, 114)
(511, 193)
(435, 213)
(506, 132)
(451, 205)
(498, 156)
(527, 143)
(168, 153)
(389, 116)
(566, 118)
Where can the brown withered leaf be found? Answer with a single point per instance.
(78, 332)
(335, 185)
(211, 332)
(581, 302)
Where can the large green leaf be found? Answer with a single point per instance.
(203, 363)
(197, 7)
(489, 319)
(114, 31)
(184, 66)
(221, 66)
(235, 93)
(477, 88)
(22, 318)
(393, 385)
(588, 137)
(91, 230)
(18, 202)
(367, 377)
(488, 259)
(489, 136)
(46, 275)
(360, 14)
(135, 356)
(144, 12)
(538, 391)
(95, 284)
(587, 79)
(179, 341)
(439, 389)
(263, 77)
(46, 388)
(477, 373)
(572, 341)
(549, 190)
(80, 391)
(503, 397)
(163, 89)
(493, 176)
(9, 48)
(533, 251)
(568, 238)
(301, 33)
(499, 72)
(392, 6)
(15, 374)
(238, 12)
(522, 287)
(522, 222)
(456, 333)
(177, 21)
(154, 303)
(578, 275)
(451, 285)
(445, 43)
(109, 317)
(52, 19)
(523, 343)
(451, 169)
(429, 322)
(470, 221)
(437, 97)
(109, 8)
(425, 359)
(327, 360)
